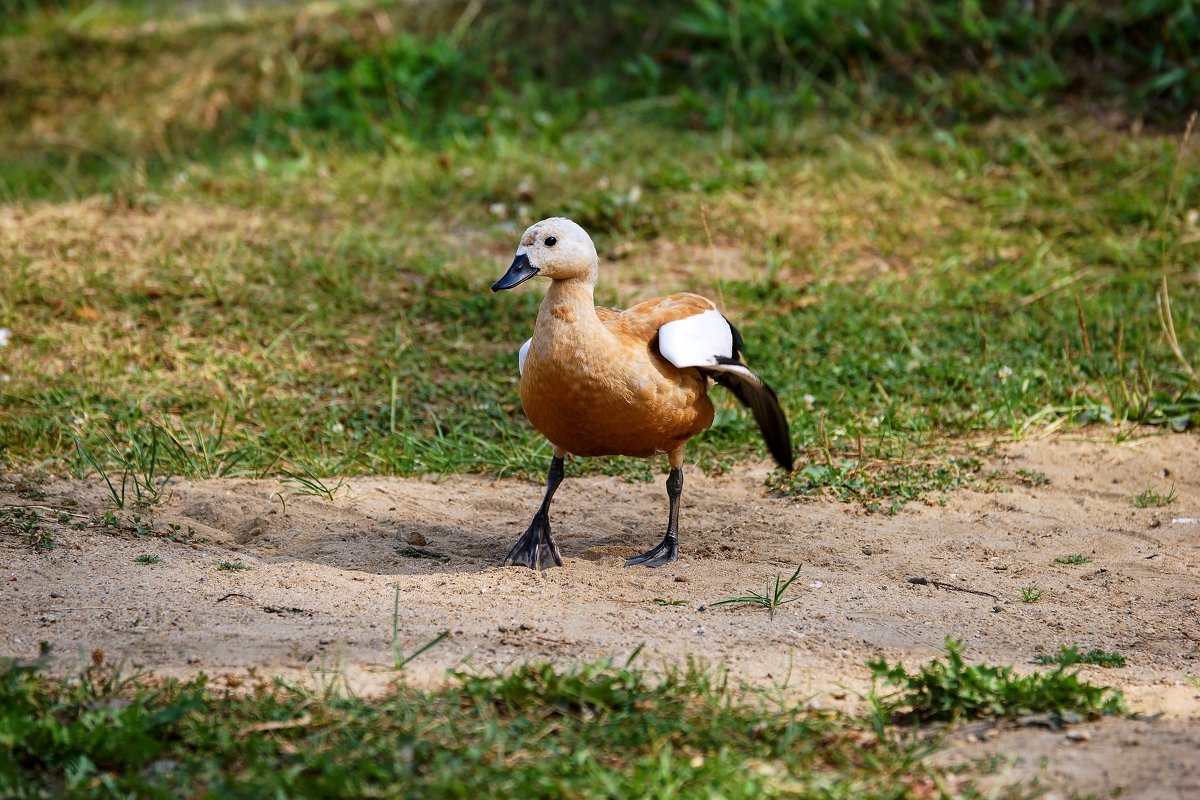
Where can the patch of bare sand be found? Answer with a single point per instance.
(320, 596)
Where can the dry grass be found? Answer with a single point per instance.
(65, 241)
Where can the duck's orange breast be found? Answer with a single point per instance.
(612, 394)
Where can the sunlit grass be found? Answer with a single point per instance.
(364, 339)
(588, 730)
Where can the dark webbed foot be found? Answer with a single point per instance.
(668, 549)
(535, 549)
(666, 552)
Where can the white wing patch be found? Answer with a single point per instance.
(696, 341)
(521, 356)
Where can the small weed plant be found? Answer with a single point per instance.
(950, 690)
(28, 523)
(1032, 477)
(147, 558)
(1030, 594)
(1152, 499)
(139, 460)
(771, 599)
(1069, 656)
(305, 480)
(1074, 558)
(399, 660)
(233, 566)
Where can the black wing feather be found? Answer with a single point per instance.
(764, 405)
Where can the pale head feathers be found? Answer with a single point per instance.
(560, 250)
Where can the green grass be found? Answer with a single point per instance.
(880, 485)
(147, 558)
(1073, 559)
(594, 730)
(308, 353)
(589, 730)
(233, 566)
(382, 77)
(1152, 499)
(308, 298)
(771, 599)
(28, 524)
(952, 690)
(1030, 594)
(1069, 656)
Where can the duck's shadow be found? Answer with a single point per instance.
(389, 532)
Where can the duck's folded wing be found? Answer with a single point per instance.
(710, 343)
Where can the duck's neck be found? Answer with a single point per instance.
(568, 304)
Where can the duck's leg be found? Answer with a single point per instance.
(535, 549)
(668, 549)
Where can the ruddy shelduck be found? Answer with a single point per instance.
(598, 381)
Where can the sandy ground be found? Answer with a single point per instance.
(319, 600)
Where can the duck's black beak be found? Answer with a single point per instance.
(520, 271)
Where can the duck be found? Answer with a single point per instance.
(599, 381)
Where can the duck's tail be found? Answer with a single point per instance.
(700, 341)
(756, 395)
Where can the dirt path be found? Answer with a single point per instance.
(319, 599)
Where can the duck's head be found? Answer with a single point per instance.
(554, 248)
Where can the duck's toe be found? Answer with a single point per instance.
(535, 549)
(666, 552)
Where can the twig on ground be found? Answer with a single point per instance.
(919, 581)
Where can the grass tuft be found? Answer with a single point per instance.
(304, 480)
(28, 523)
(1152, 499)
(1074, 558)
(233, 566)
(950, 690)
(1069, 656)
(147, 558)
(771, 599)
(1030, 594)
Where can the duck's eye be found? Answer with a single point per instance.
(551, 241)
